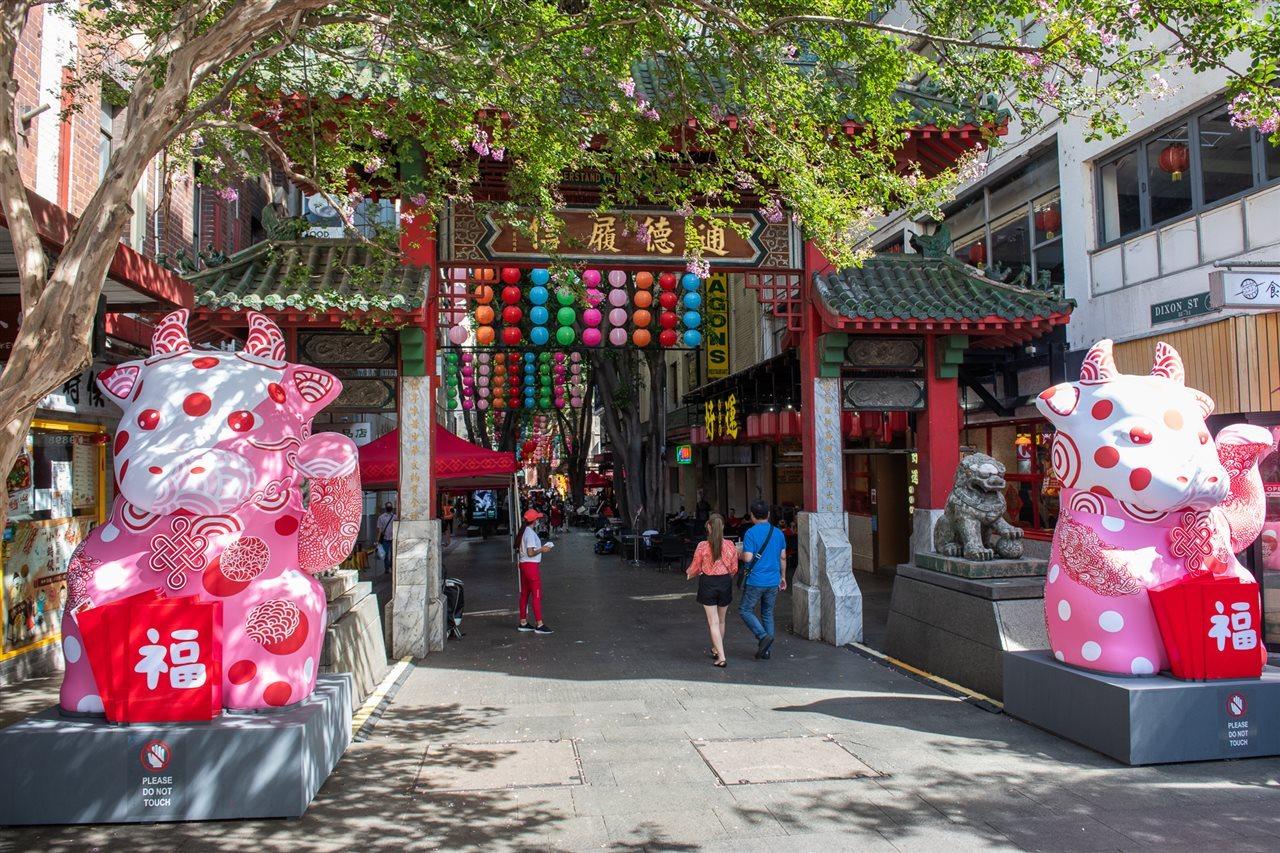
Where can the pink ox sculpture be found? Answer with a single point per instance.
(209, 459)
(1148, 498)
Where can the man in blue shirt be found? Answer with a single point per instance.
(764, 550)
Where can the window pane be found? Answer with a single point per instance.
(1011, 248)
(966, 217)
(1169, 175)
(1226, 157)
(1272, 154)
(1048, 218)
(1049, 269)
(1120, 206)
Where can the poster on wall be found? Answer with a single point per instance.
(84, 474)
(35, 578)
(19, 486)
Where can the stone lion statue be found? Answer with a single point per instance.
(973, 525)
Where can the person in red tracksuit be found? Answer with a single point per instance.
(530, 549)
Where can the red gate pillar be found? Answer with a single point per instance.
(937, 435)
(826, 602)
(418, 609)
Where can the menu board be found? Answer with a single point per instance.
(84, 475)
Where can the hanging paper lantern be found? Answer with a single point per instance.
(591, 337)
(594, 297)
(667, 337)
(484, 315)
(618, 317)
(978, 254)
(1048, 221)
(575, 356)
(692, 300)
(667, 281)
(692, 319)
(538, 295)
(539, 335)
(575, 401)
(668, 299)
(591, 277)
(539, 315)
(511, 335)
(692, 338)
(617, 278)
(484, 294)
(591, 317)
(617, 337)
(644, 280)
(618, 297)
(689, 281)
(510, 275)
(539, 277)
(668, 319)
(643, 299)
(1175, 159)
(511, 315)
(482, 392)
(482, 404)
(467, 404)
(641, 318)
(530, 358)
(458, 335)
(484, 335)
(641, 337)
(564, 296)
(510, 295)
(564, 336)
(566, 316)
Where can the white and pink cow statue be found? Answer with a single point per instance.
(210, 457)
(1148, 497)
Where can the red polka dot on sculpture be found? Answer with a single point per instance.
(204, 362)
(1102, 410)
(1140, 435)
(197, 404)
(276, 392)
(1139, 479)
(240, 421)
(277, 693)
(149, 419)
(122, 438)
(1106, 456)
(242, 672)
(286, 525)
(1101, 490)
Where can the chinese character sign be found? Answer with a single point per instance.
(1142, 574)
(211, 454)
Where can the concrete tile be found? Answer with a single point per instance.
(498, 766)
(746, 762)
(1065, 833)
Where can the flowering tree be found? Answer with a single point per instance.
(697, 105)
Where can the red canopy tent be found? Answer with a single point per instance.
(459, 464)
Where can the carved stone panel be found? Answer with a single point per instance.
(882, 395)
(878, 353)
(327, 348)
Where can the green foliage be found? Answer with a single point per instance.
(701, 106)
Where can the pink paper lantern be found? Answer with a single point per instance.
(468, 403)
(618, 317)
(591, 277)
(575, 401)
(458, 335)
(618, 337)
(591, 337)
(617, 278)
(594, 297)
(618, 297)
(591, 317)
(575, 356)
(482, 404)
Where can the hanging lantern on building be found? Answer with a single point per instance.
(1048, 221)
(978, 254)
(1175, 159)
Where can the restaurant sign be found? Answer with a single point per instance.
(721, 418)
(717, 326)
(633, 236)
(1245, 288)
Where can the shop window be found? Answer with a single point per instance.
(1050, 271)
(55, 498)
(1121, 206)
(1226, 157)
(1169, 175)
(1011, 246)
(1031, 491)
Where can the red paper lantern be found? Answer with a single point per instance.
(511, 335)
(510, 275)
(667, 281)
(898, 422)
(1048, 221)
(768, 424)
(667, 300)
(1175, 159)
(511, 294)
(753, 427)
(788, 422)
(668, 337)
(511, 315)
(851, 424)
(668, 319)
(978, 254)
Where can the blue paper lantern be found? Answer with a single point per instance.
(689, 281)
(530, 357)
(538, 295)
(539, 335)
(692, 319)
(692, 299)
(529, 369)
(692, 338)
(539, 315)
(539, 277)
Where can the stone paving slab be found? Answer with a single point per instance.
(787, 759)
(466, 767)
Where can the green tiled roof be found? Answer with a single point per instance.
(913, 287)
(311, 274)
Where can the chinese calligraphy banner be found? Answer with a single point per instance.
(716, 322)
(628, 235)
(1210, 627)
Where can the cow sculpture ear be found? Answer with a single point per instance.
(311, 388)
(1168, 363)
(1059, 402)
(1099, 364)
(120, 381)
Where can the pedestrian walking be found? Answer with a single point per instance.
(530, 551)
(557, 516)
(764, 551)
(715, 562)
(385, 527)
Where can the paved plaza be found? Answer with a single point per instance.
(616, 733)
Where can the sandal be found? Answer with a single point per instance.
(720, 663)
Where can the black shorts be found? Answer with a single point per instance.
(715, 590)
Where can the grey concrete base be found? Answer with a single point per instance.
(353, 642)
(922, 523)
(960, 628)
(960, 567)
(1145, 720)
(36, 663)
(270, 764)
(418, 628)
(827, 604)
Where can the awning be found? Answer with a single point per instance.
(458, 463)
(597, 481)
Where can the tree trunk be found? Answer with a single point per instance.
(614, 376)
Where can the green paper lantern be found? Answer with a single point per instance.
(565, 317)
(565, 296)
(564, 334)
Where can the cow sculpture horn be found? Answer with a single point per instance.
(1099, 364)
(1168, 364)
(265, 339)
(170, 335)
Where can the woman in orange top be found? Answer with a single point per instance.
(715, 562)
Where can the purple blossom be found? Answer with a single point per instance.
(373, 164)
(650, 113)
(1033, 60)
(628, 87)
(791, 51)
(457, 146)
(480, 143)
(1049, 91)
(418, 199)
(1135, 9)
(642, 234)
(497, 153)
(699, 267)
(588, 50)
(717, 114)
(1108, 38)
(772, 212)
(228, 194)
(378, 133)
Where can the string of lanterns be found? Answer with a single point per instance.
(513, 380)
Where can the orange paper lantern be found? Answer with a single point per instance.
(484, 294)
(484, 315)
(484, 335)
(641, 337)
(641, 318)
(643, 299)
(644, 280)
